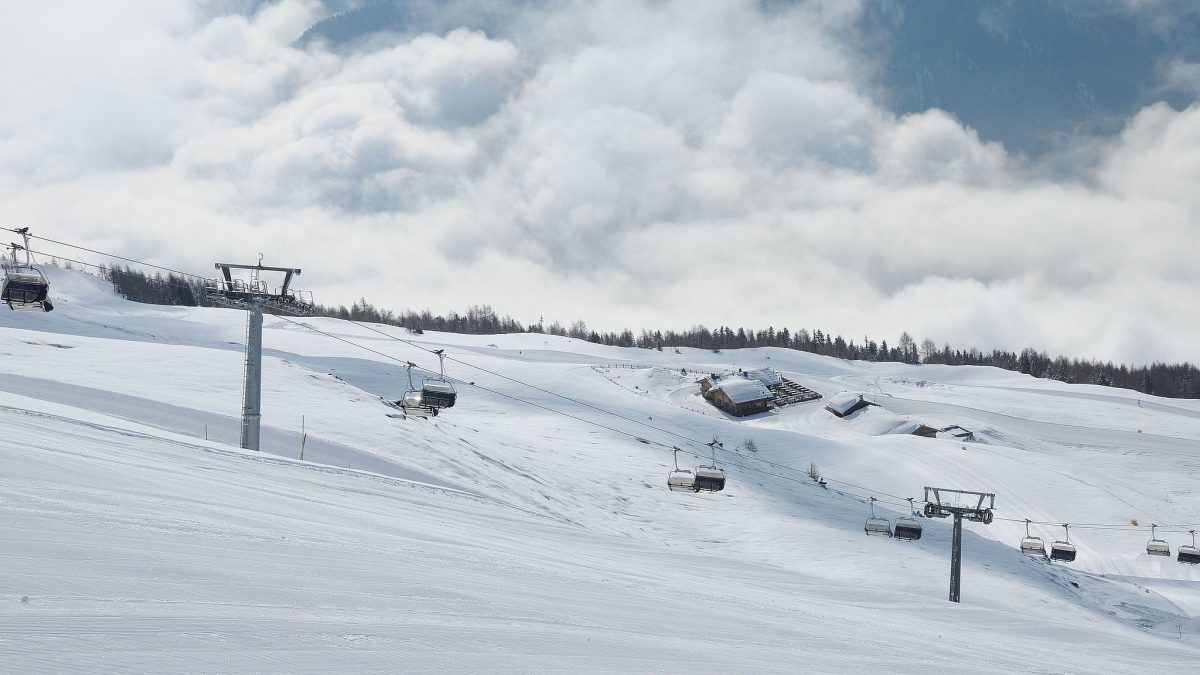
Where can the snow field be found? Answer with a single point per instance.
(502, 537)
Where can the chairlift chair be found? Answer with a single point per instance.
(680, 480)
(1189, 555)
(23, 287)
(908, 528)
(413, 401)
(1032, 545)
(1063, 550)
(437, 392)
(875, 526)
(710, 478)
(1157, 546)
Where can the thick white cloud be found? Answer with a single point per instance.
(632, 164)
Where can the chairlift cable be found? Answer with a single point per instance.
(109, 255)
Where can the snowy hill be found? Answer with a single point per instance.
(501, 536)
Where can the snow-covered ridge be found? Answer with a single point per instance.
(500, 536)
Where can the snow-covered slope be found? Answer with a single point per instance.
(501, 536)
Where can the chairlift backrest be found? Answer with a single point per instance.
(1062, 550)
(907, 529)
(438, 393)
(1033, 546)
(23, 286)
(681, 480)
(1189, 555)
(412, 399)
(709, 479)
(1158, 547)
(878, 527)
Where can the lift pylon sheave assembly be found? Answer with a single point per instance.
(23, 287)
(943, 503)
(254, 296)
(255, 292)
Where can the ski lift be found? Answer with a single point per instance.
(875, 526)
(710, 478)
(437, 392)
(1063, 550)
(908, 528)
(1032, 545)
(1189, 555)
(23, 287)
(680, 480)
(1157, 546)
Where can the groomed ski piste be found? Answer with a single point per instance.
(499, 536)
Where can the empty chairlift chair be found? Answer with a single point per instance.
(1032, 545)
(680, 480)
(1157, 546)
(437, 392)
(1063, 550)
(908, 528)
(23, 287)
(876, 526)
(413, 401)
(710, 478)
(1189, 555)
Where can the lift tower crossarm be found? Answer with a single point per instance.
(288, 272)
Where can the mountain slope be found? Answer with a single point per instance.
(500, 536)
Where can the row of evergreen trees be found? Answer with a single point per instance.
(1171, 380)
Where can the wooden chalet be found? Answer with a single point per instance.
(738, 396)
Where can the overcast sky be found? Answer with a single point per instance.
(633, 164)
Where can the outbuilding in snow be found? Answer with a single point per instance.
(846, 403)
(737, 395)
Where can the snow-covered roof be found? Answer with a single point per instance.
(765, 375)
(843, 402)
(742, 390)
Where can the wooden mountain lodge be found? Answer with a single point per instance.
(736, 395)
(753, 392)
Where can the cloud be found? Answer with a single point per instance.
(632, 164)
